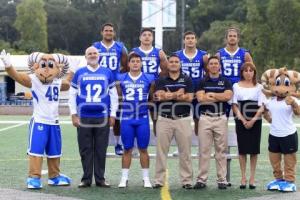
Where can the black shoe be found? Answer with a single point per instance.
(252, 187)
(199, 185)
(242, 186)
(84, 185)
(222, 186)
(187, 186)
(157, 186)
(103, 184)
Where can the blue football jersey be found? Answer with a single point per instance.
(135, 94)
(93, 98)
(192, 67)
(151, 61)
(110, 57)
(232, 63)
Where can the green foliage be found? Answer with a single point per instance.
(213, 39)
(5, 45)
(31, 22)
(269, 28)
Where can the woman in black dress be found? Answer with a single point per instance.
(247, 105)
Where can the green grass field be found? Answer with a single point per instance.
(14, 167)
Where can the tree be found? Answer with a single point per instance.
(213, 39)
(31, 22)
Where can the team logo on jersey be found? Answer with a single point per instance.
(40, 127)
(221, 83)
(181, 80)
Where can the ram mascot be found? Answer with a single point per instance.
(281, 86)
(45, 82)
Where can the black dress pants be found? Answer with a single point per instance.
(93, 136)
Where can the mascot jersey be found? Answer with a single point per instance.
(192, 67)
(110, 57)
(135, 93)
(93, 86)
(45, 100)
(231, 63)
(150, 61)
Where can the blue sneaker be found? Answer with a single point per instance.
(274, 185)
(34, 183)
(119, 149)
(60, 180)
(286, 186)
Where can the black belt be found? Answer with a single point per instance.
(212, 114)
(175, 116)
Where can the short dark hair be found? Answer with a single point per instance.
(133, 55)
(107, 24)
(173, 55)
(189, 33)
(146, 29)
(213, 57)
(232, 28)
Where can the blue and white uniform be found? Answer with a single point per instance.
(44, 130)
(93, 86)
(192, 66)
(134, 116)
(110, 57)
(150, 60)
(231, 63)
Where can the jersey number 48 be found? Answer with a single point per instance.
(52, 93)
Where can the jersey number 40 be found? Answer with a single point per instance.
(110, 62)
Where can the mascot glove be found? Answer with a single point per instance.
(60, 58)
(34, 57)
(5, 57)
(74, 63)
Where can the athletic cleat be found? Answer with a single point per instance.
(274, 185)
(135, 152)
(286, 186)
(175, 153)
(34, 183)
(123, 183)
(60, 180)
(147, 183)
(119, 150)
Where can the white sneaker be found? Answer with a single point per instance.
(123, 183)
(147, 183)
(176, 153)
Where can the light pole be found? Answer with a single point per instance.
(182, 21)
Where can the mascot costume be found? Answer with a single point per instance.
(44, 130)
(280, 85)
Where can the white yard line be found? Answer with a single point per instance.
(14, 126)
(70, 122)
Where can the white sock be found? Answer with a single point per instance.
(145, 172)
(125, 173)
(117, 140)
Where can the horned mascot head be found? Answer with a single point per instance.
(281, 82)
(48, 66)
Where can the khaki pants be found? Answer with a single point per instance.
(212, 130)
(182, 131)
